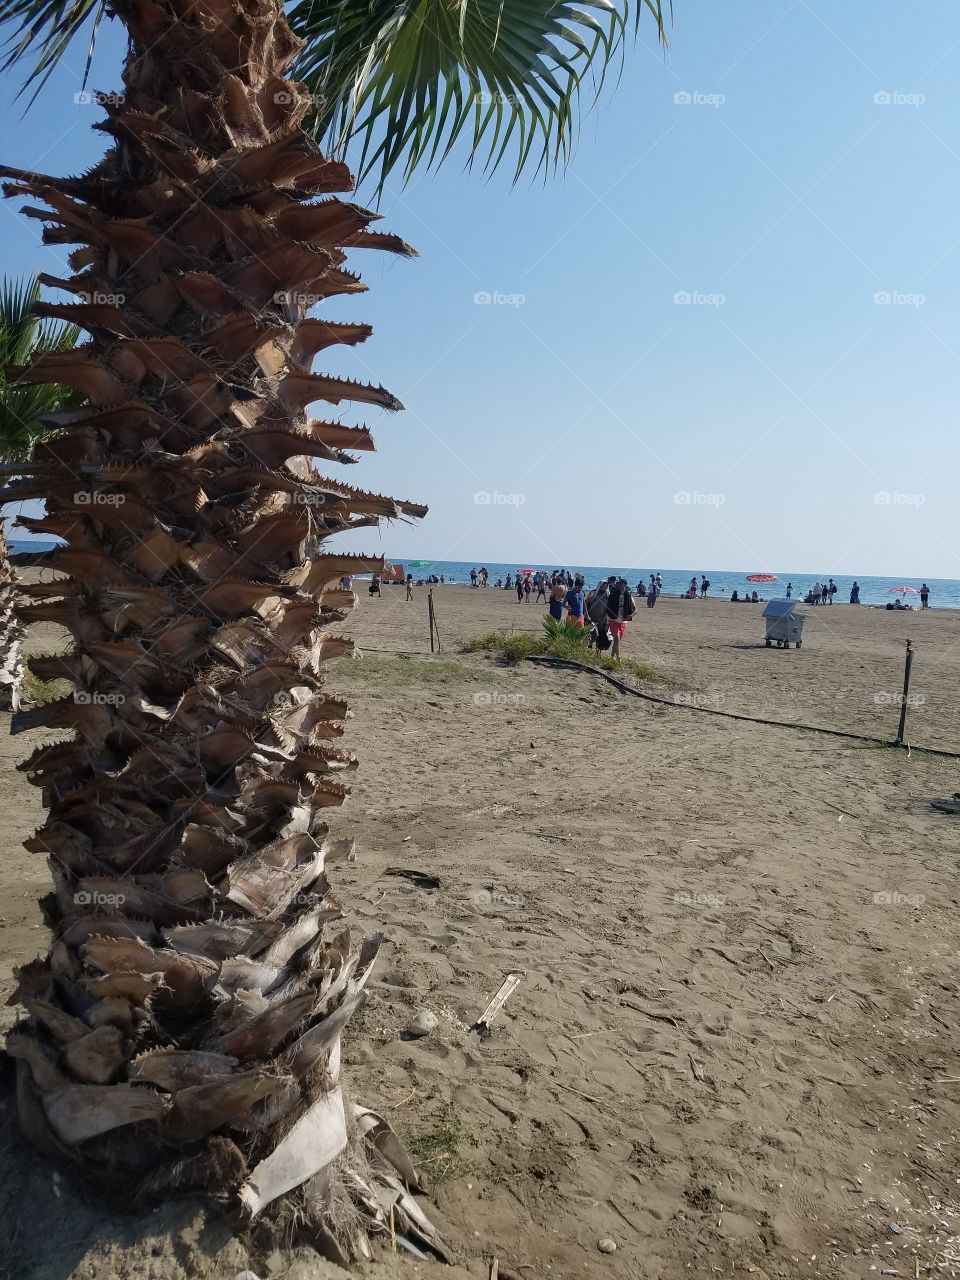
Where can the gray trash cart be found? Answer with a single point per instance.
(784, 624)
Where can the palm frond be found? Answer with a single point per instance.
(22, 336)
(406, 80)
(44, 29)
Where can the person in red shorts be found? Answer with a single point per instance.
(620, 609)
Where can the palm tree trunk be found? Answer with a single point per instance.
(11, 631)
(184, 1027)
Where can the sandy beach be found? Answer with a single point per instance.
(734, 1045)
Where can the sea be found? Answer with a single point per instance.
(944, 592)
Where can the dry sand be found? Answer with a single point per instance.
(725, 1053)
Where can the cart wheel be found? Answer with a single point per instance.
(768, 644)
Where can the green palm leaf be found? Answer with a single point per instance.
(22, 336)
(407, 79)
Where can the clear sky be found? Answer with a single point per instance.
(792, 167)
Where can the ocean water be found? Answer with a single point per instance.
(944, 592)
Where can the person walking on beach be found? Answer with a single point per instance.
(924, 597)
(659, 584)
(527, 589)
(652, 592)
(555, 606)
(831, 591)
(789, 590)
(375, 585)
(855, 593)
(597, 613)
(704, 587)
(409, 586)
(817, 591)
(473, 577)
(541, 581)
(620, 611)
(575, 606)
(519, 589)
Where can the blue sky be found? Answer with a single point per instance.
(792, 170)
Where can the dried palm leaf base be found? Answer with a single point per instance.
(11, 631)
(183, 1030)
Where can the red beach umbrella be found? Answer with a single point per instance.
(526, 571)
(762, 577)
(904, 591)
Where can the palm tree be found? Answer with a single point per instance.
(22, 410)
(183, 1029)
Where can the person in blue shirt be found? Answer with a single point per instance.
(575, 606)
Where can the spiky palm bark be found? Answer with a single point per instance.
(11, 630)
(185, 1025)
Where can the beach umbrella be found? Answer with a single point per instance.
(762, 577)
(903, 591)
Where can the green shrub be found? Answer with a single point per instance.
(559, 640)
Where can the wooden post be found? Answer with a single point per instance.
(908, 663)
(433, 622)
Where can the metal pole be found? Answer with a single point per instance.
(430, 615)
(908, 663)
